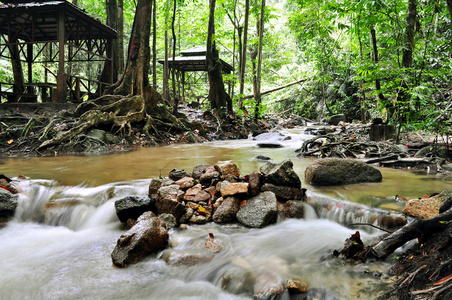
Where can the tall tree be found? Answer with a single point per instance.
(173, 73)
(154, 44)
(243, 56)
(120, 29)
(257, 77)
(218, 97)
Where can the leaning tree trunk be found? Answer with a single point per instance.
(218, 97)
(243, 60)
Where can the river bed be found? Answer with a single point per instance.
(65, 253)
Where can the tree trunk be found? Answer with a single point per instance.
(243, 60)
(407, 58)
(112, 21)
(18, 74)
(416, 229)
(173, 73)
(135, 80)
(257, 91)
(154, 44)
(120, 41)
(373, 39)
(218, 97)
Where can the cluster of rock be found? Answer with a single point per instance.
(211, 193)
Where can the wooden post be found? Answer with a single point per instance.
(381, 132)
(30, 67)
(61, 76)
(183, 86)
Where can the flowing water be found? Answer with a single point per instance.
(63, 251)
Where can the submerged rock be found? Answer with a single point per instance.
(149, 235)
(268, 284)
(259, 211)
(337, 171)
(236, 280)
(187, 257)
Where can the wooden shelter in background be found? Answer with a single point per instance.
(63, 31)
(192, 60)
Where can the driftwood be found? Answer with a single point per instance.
(416, 229)
(276, 88)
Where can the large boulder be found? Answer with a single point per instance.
(337, 171)
(335, 119)
(149, 235)
(227, 210)
(281, 174)
(259, 211)
(132, 207)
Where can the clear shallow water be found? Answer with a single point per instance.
(64, 253)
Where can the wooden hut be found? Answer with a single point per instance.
(67, 34)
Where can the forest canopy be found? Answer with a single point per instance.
(365, 59)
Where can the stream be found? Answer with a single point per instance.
(63, 252)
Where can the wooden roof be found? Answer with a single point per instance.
(194, 60)
(38, 22)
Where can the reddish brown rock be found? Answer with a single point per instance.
(147, 236)
(191, 193)
(427, 207)
(254, 180)
(186, 182)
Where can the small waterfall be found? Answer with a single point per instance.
(75, 207)
(350, 213)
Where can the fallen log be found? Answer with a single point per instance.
(416, 229)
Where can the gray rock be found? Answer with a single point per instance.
(176, 174)
(132, 207)
(259, 211)
(225, 213)
(281, 174)
(199, 170)
(149, 235)
(169, 219)
(294, 209)
(337, 171)
(154, 186)
(8, 204)
(284, 193)
(334, 120)
(269, 145)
